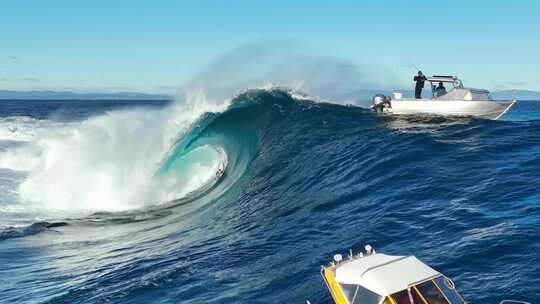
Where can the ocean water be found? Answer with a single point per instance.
(243, 201)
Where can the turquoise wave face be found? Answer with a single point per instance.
(216, 151)
(194, 172)
(204, 156)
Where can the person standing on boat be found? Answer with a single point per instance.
(419, 79)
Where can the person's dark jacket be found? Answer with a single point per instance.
(420, 81)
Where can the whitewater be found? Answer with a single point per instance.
(240, 199)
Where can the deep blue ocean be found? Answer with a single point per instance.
(125, 201)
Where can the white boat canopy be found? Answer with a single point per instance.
(384, 274)
(442, 78)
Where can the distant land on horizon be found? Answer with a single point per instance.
(516, 94)
(364, 94)
(21, 95)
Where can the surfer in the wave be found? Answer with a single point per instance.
(219, 172)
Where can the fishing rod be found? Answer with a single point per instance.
(415, 67)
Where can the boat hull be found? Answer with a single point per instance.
(478, 108)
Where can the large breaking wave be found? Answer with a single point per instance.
(133, 159)
(106, 162)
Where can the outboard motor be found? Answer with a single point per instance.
(381, 103)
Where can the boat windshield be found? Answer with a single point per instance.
(447, 287)
(440, 290)
(441, 85)
(357, 294)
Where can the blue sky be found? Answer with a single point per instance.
(155, 46)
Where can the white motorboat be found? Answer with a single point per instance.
(458, 101)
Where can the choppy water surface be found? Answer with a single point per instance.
(152, 202)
